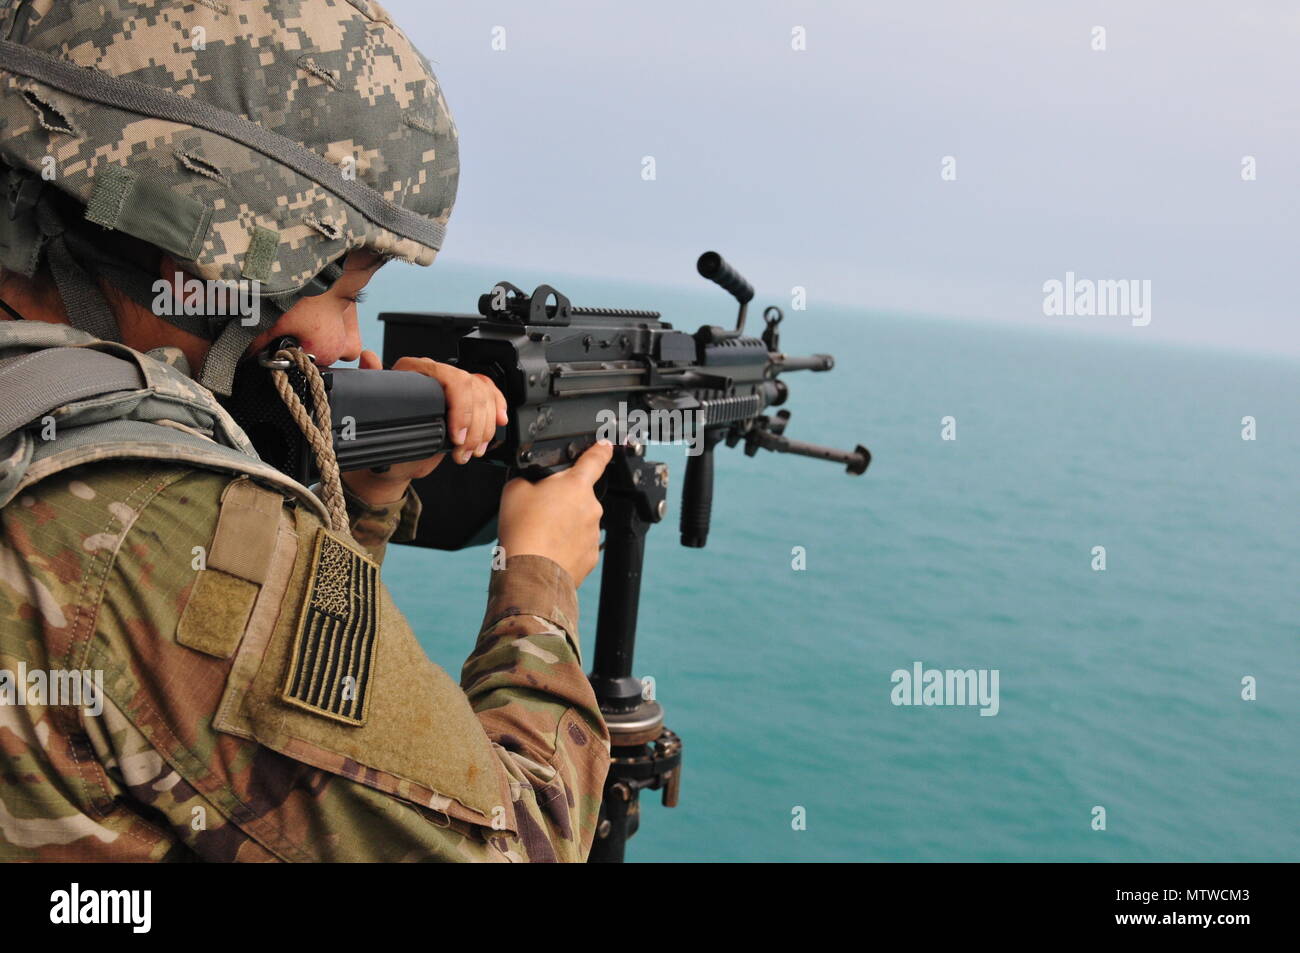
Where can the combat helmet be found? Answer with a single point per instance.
(248, 139)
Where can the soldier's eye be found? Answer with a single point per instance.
(357, 298)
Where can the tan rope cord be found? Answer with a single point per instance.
(318, 432)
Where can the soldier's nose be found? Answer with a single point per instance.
(352, 345)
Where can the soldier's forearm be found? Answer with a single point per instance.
(526, 684)
(536, 586)
(525, 672)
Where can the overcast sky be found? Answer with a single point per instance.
(822, 167)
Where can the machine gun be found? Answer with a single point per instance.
(570, 375)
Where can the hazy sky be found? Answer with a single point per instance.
(821, 167)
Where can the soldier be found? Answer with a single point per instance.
(247, 689)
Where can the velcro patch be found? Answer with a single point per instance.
(333, 651)
(217, 613)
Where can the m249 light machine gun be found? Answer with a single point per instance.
(566, 373)
(570, 376)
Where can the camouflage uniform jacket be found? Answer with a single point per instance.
(260, 697)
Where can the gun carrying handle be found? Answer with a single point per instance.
(697, 493)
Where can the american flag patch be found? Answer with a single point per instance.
(334, 649)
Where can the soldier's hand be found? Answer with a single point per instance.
(558, 517)
(475, 408)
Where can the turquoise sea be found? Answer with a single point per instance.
(1120, 689)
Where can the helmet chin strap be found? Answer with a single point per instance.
(218, 373)
(85, 304)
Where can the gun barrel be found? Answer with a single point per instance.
(813, 362)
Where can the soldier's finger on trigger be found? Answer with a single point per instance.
(591, 464)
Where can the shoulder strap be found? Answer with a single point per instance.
(36, 383)
(147, 420)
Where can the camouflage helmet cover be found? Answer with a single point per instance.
(257, 139)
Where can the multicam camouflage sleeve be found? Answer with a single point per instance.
(525, 682)
(266, 701)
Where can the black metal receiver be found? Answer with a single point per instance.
(572, 375)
